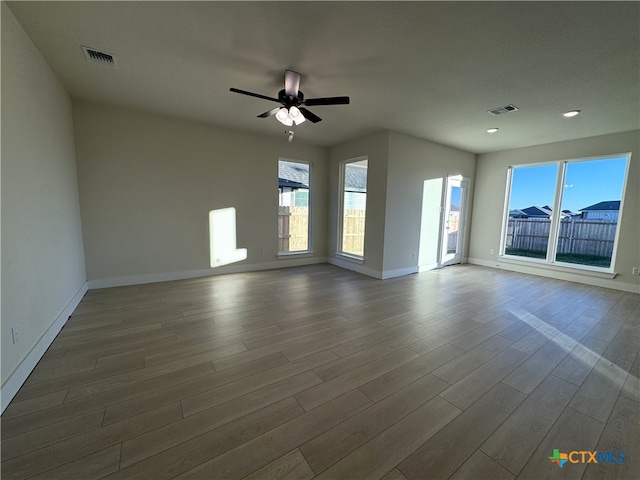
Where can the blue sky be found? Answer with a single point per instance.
(456, 196)
(586, 183)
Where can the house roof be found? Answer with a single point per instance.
(355, 180)
(427, 69)
(294, 175)
(537, 211)
(517, 213)
(283, 182)
(607, 206)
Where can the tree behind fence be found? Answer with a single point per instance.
(577, 236)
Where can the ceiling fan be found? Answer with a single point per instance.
(293, 109)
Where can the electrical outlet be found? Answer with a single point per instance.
(635, 271)
(14, 334)
(264, 251)
(413, 256)
(491, 251)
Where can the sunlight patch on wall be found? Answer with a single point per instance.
(222, 238)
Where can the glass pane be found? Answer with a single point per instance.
(453, 221)
(293, 209)
(590, 207)
(530, 207)
(354, 207)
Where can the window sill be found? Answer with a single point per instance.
(285, 255)
(350, 258)
(559, 267)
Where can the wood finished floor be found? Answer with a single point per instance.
(319, 372)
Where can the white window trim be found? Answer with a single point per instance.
(301, 253)
(550, 262)
(559, 266)
(339, 252)
(309, 252)
(350, 257)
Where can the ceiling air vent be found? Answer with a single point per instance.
(505, 109)
(103, 58)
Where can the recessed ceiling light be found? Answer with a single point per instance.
(571, 113)
(492, 130)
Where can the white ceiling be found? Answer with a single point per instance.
(428, 69)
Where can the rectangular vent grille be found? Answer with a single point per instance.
(103, 58)
(505, 109)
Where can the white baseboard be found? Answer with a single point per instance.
(22, 372)
(355, 267)
(559, 275)
(206, 272)
(399, 272)
(358, 267)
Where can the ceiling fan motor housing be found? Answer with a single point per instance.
(289, 100)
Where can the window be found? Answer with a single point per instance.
(530, 205)
(294, 203)
(566, 212)
(354, 201)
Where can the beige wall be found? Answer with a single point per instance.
(42, 255)
(489, 197)
(412, 161)
(148, 182)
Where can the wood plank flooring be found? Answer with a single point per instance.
(319, 372)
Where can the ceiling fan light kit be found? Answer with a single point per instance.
(293, 109)
(290, 116)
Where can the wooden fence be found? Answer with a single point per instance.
(293, 229)
(353, 231)
(576, 236)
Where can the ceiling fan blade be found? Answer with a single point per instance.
(273, 111)
(251, 94)
(291, 83)
(327, 101)
(312, 117)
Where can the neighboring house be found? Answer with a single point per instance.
(355, 188)
(292, 175)
(517, 214)
(607, 211)
(293, 184)
(569, 213)
(356, 179)
(534, 212)
(538, 212)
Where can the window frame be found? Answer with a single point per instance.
(552, 245)
(309, 251)
(340, 227)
